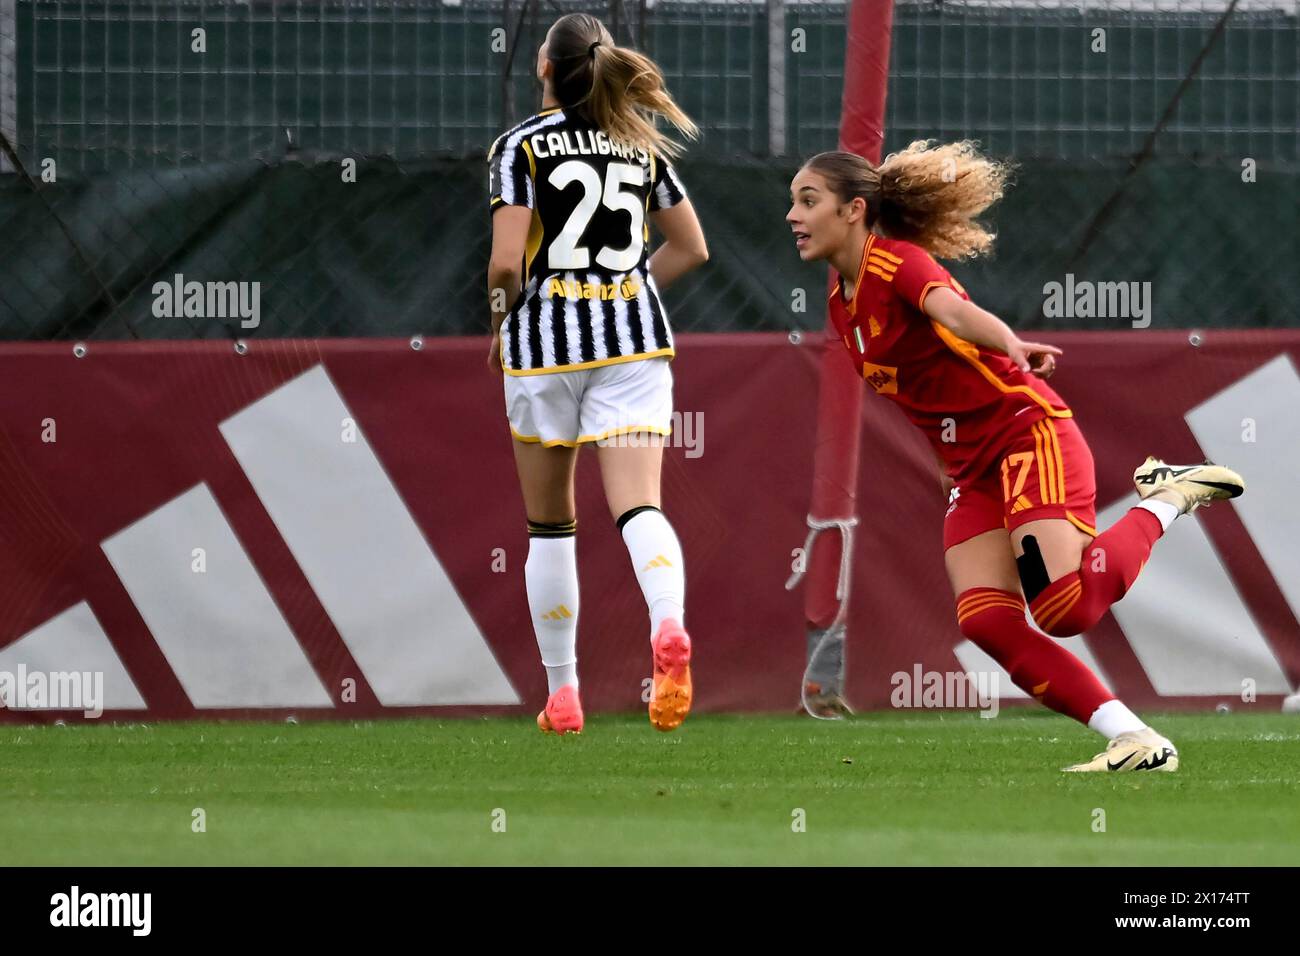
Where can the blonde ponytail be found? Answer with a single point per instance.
(619, 90)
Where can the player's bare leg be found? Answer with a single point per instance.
(551, 576)
(630, 468)
(982, 561)
(546, 480)
(1060, 543)
(1071, 578)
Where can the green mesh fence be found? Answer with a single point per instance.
(1158, 142)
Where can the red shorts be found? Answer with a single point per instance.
(1045, 472)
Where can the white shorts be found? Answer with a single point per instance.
(587, 405)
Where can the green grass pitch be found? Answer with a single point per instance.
(890, 788)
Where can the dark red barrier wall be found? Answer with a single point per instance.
(137, 425)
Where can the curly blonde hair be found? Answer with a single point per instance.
(928, 194)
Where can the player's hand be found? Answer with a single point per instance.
(1036, 358)
(494, 354)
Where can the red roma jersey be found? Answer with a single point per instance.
(969, 400)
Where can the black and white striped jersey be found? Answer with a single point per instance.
(588, 298)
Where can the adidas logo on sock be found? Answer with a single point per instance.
(557, 613)
(659, 561)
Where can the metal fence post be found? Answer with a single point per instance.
(776, 47)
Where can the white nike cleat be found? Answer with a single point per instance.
(1187, 487)
(1135, 750)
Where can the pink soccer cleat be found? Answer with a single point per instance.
(670, 699)
(563, 713)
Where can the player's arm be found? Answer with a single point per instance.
(683, 248)
(511, 200)
(505, 270)
(968, 321)
(506, 263)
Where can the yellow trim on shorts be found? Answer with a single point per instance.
(652, 429)
(1085, 528)
(533, 439)
(598, 363)
(582, 439)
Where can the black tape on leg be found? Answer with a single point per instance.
(1033, 572)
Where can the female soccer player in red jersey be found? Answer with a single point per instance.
(583, 339)
(1017, 469)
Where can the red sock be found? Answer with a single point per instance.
(1074, 603)
(995, 621)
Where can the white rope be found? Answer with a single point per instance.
(816, 527)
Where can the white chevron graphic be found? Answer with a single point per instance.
(74, 641)
(365, 557)
(219, 629)
(1187, 624)
(1269, 398)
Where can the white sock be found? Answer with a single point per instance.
(1112, 719)
(657, 560)
(1163, 510)
(565, 675)
(551, 577)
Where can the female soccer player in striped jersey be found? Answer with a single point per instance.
(583, 339)
(1017, 469)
